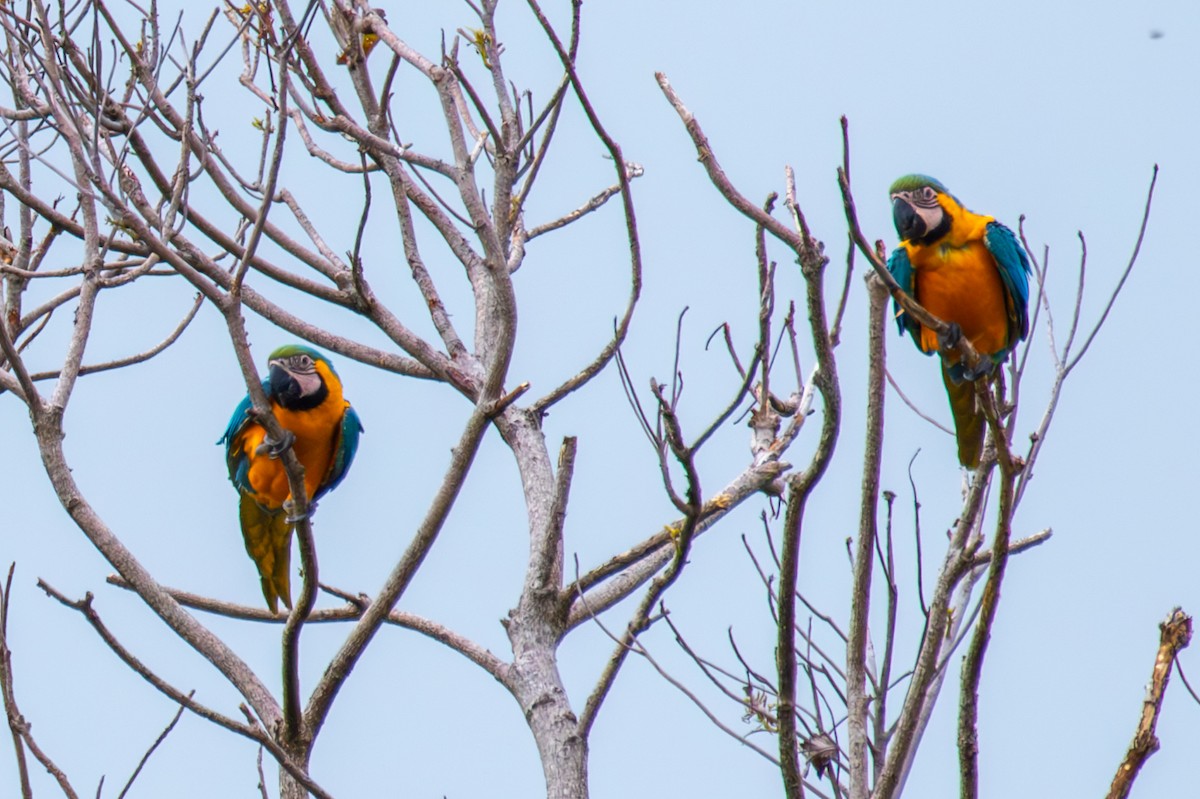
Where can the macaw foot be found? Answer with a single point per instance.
(985, 367)
(289, 507)
(274, 449)
(952, 336)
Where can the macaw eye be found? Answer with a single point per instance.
(304, 362)
(927, 193)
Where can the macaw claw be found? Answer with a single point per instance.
(985, 367)
(289, 507)
(274, 449)
(949, 340)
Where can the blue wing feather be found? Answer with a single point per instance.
(343, 456)
(902, 270)
(1014, 273)
(236, 460)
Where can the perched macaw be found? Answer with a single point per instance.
(306, 397)
(966, 269)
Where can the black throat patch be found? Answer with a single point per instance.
(942, 229)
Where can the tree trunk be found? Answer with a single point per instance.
(289, 786)
(537, 624)
(537, 686)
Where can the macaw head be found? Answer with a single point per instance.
(299, 377)
(918, 210)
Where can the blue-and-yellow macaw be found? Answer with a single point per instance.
(306, 397)
(966, 269)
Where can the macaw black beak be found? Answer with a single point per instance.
(284, 387)
(909, 223)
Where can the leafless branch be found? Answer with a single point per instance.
(918, 700)
(1016, 547)
(904, 398)
(146, 757)
(658, 586)
(1038, 437)
(1137, 248)
(624, 175)
(1176, 635)
(351, 611)
(19, 727)
(634, 170)
(637, 647)
(856, 646)
(1186, 684)
(968, 730)
(140, 357)
(376, 614)
(882, 686)
(253, 732)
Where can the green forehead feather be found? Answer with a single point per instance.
(288, 350)
(916, 181)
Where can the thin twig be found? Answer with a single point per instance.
(1137, 248)
(635, 248)
(140, 357)
(157, 741)
(21, 729)
(252, 731)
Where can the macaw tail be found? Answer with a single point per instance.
(269, 543)
(969, 422)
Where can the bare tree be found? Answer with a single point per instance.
(150, 182)
(848, 735)
(108, 110)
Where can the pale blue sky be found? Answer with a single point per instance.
(1053, 110)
